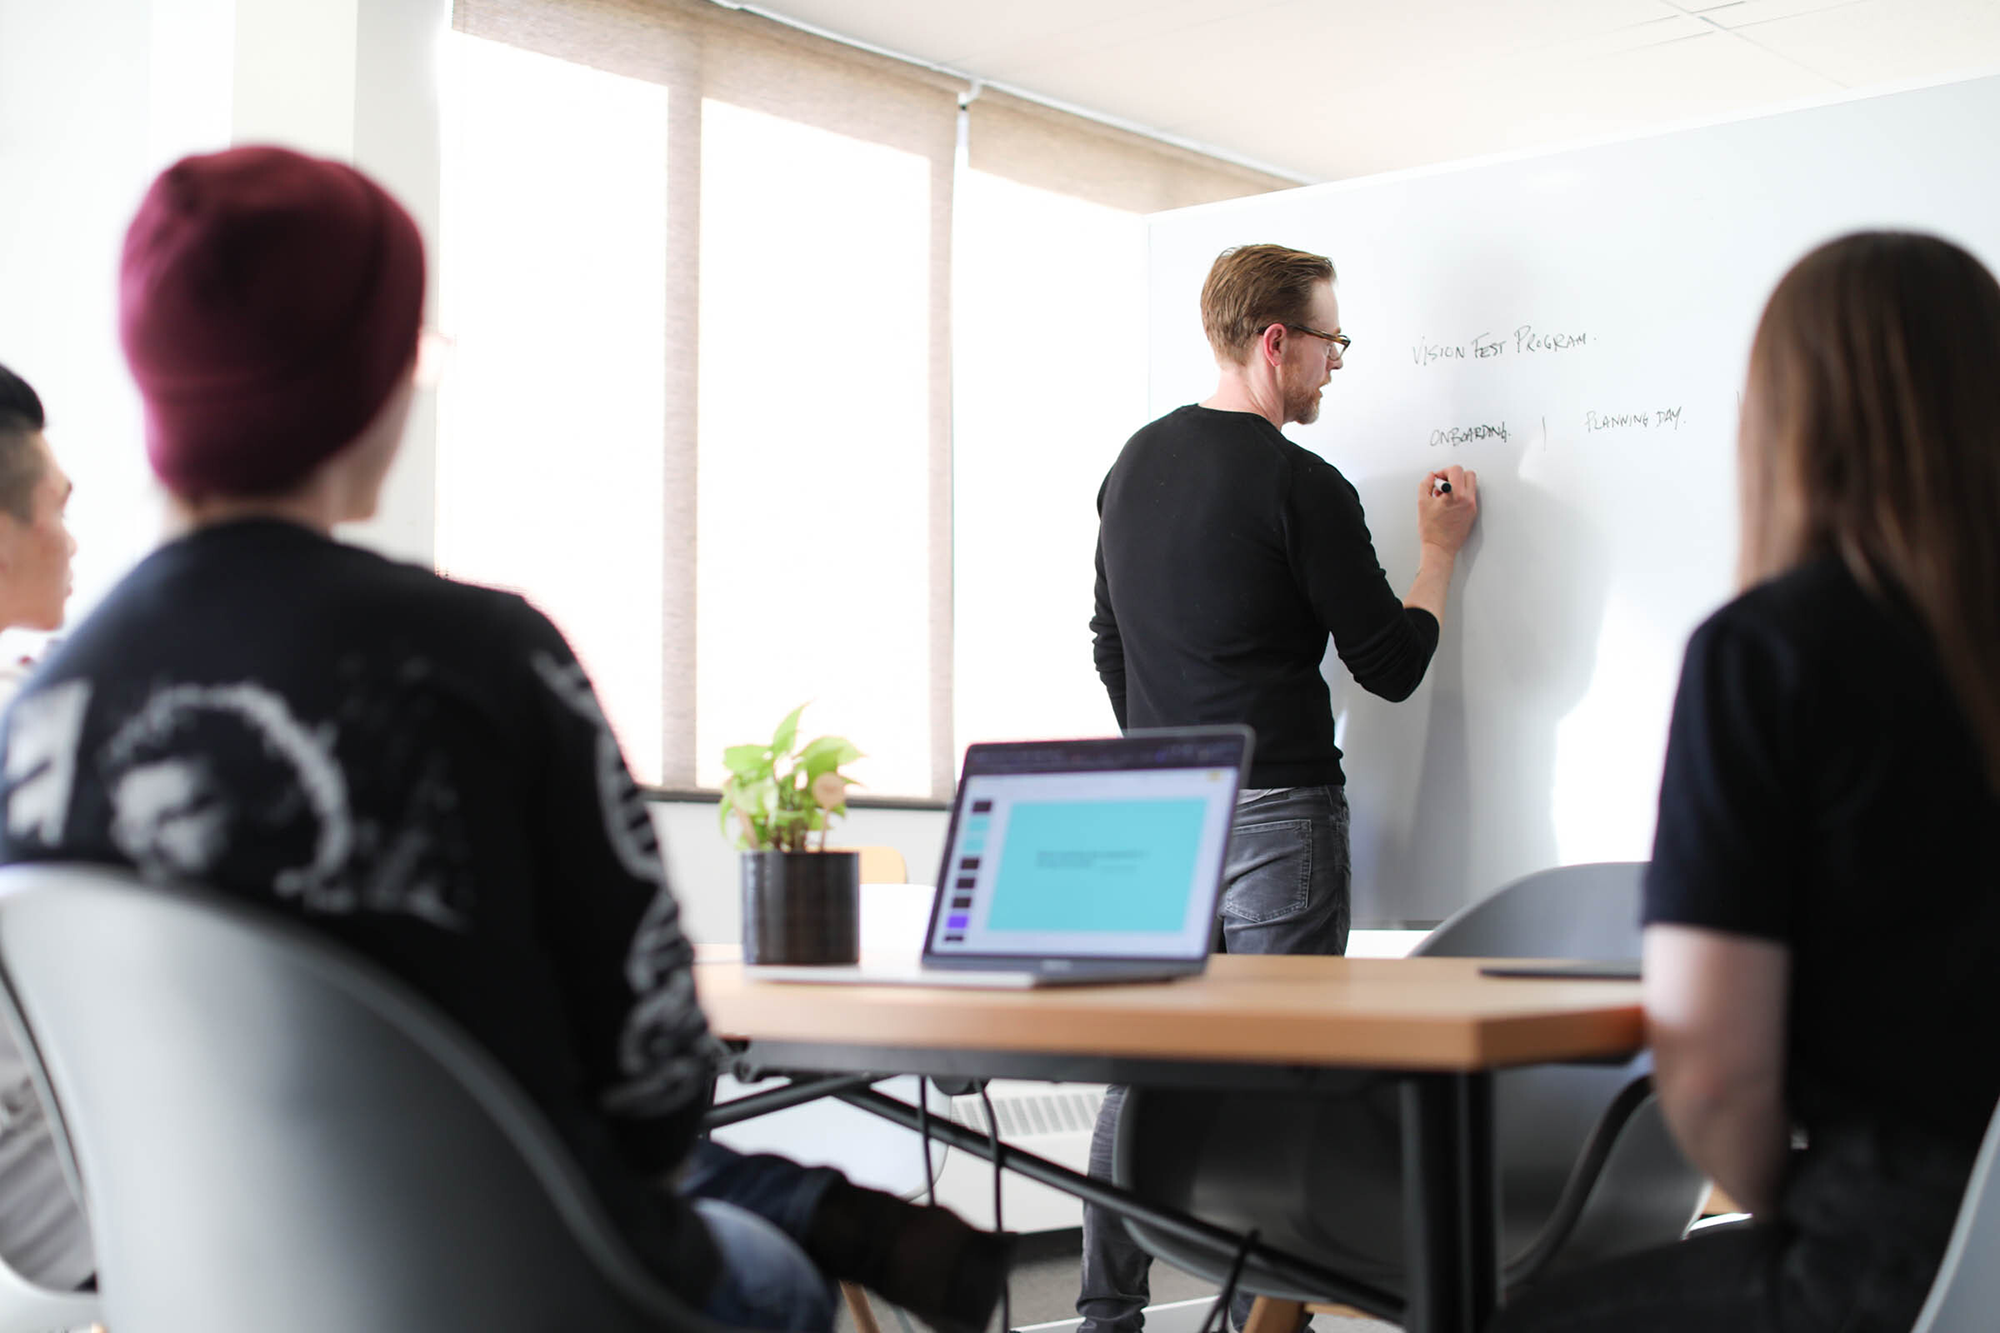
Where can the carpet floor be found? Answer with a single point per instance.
(1046, 1270)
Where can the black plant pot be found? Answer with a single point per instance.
(801, 907)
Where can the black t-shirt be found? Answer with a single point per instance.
(1226, 554)
(1823, 790)
(416, 767)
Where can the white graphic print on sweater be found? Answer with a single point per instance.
(203, 778)
(661, 1074)
(41, 760)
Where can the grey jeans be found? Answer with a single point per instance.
(1285, 890)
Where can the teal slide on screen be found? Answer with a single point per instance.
(1097, 865)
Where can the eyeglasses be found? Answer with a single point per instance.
(1336, 343)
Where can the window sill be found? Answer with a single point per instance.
(709, 796)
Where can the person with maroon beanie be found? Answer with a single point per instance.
(416, 767)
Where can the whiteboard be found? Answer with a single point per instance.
(1574, 326)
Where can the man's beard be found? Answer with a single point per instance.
(1306, 410)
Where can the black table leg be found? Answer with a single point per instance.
(1451, 1215)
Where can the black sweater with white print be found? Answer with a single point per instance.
(416, 767)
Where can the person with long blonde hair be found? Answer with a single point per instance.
(1822, 943)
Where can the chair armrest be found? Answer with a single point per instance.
(1583, 1177)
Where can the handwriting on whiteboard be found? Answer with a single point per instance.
(1526, 340)
(1472, 432)
(1662, 418)
(1457, 435)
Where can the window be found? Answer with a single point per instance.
(1050, 379)
(813, 569)
(712, 409)
(550, 476)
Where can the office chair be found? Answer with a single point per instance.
(1587, 1168)
(28, 1308)
(880, 864)
(1966, 1290)
(271, 1132)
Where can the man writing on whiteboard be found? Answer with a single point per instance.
(1227, 556)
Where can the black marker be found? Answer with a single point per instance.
(1440, 487)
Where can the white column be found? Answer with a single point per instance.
(294, 75)
(396, 139)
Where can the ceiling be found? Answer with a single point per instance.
(1324, 89)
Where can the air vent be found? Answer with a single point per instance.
(1034, 1114)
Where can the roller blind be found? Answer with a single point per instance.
(706, 275)
(701, 268)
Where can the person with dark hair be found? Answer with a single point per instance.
(416, 767)
(35, 545)
(1227, 558)
(1822, 941)
(43, 1234)
(21, 425)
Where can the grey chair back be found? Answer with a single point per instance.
(1587, 1168)
(27, 1308)
(1550, 1119)
(1965, 1294)
(26, 1305)
(1581, 911)
(272, 1133)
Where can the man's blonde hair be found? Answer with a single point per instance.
(1252, 287)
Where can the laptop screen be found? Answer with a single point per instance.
(1089, 849)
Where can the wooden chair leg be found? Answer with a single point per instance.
(858, 1307)
(1270, 1315)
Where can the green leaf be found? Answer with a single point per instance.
(840, 746)
(826, 755)
(787, 732)
(747, 761)
(733, 829)
(757, 798)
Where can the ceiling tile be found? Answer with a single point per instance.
(1332, 91)
(1881, 41)
(1743, 13)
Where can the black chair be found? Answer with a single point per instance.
(1587, 1168)
(271, 1133)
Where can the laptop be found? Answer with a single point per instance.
(1074, 861)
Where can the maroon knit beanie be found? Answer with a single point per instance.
(268, 302)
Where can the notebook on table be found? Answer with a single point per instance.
(1074, 861)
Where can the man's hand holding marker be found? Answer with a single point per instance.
(1447, 503)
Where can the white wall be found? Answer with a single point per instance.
(94, 100)
(396, 139)
(1574, 325)
(74, 158)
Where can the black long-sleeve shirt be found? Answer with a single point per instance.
(1226, 556)
(416, 767)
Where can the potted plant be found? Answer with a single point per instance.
(801, 904)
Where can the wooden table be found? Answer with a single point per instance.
(1288, 1023)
